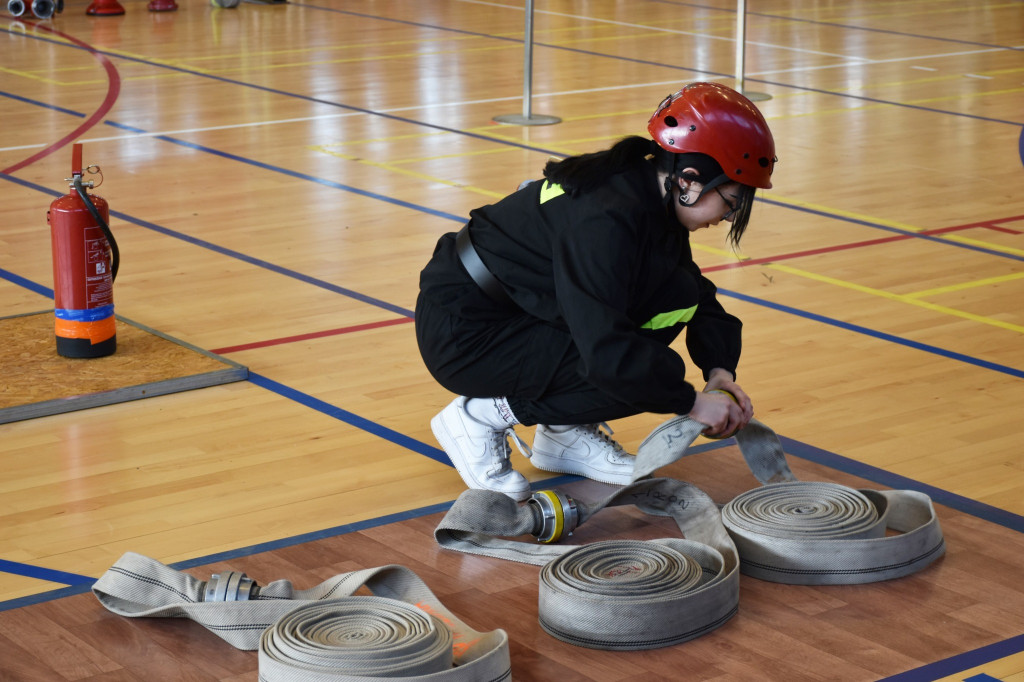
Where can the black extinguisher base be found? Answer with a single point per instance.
(83, 348)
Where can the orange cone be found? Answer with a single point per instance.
(104, 8)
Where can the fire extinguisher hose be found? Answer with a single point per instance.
(115, 254)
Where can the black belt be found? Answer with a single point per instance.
(478, 271)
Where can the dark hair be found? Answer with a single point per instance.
(586, 172)
(710, 175)
(741, 217)
(583, 173)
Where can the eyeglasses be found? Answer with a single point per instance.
(732, 206)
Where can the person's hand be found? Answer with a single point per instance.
(723, 406)
(722, 380)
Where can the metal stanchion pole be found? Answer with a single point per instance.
(741, 41)
(528, 118)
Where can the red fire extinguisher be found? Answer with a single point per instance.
(85, 262)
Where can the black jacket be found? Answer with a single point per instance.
(601, 266)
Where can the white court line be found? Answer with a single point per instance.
(874, 62)
(323, 117)
(507, 99)
(662, 30)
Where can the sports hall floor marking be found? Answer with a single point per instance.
(971, 666)
(113, 90)
(785, 86)
(975, 661)
(309, 336)
(909, 299)
(460, 219)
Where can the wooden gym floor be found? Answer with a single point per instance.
(278, 175)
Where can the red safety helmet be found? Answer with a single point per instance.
(712, 119)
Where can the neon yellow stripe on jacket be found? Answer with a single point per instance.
(669, 319)
(549, 191)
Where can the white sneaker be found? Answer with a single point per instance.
(583, 450)
(480, 453)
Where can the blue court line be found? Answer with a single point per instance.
(702, 72)
(927, 673)
(41, 573)
(293, 95)
(349, 418)
(960, 662)
(438, 213)
(848, 326)
(1012, 371)
(898, 230)
(869, 29)
(779, 17)
(889, 479)
(46, 105)
(26, 283)
(202, 243)
(1020, 145)
(591, 53)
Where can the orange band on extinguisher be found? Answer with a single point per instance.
(97, 331)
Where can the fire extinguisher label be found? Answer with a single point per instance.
(99, 289)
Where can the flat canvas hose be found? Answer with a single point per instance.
(622, 595)
(323, 634)
(618, 595)
(805, 532)
(638, 595)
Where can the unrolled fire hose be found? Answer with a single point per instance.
(630, 595)
(608, 595)
(322, 634)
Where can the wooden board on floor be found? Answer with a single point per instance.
(39, 382)
(968, 599)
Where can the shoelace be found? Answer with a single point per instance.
(594, 431)
(501, 451)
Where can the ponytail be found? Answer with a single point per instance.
(583, 173)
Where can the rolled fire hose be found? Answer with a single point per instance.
(809, 533)
(322, 634)
(608, 611)
(618, 595)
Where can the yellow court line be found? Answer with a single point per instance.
(734, 255)
(48, 81)
(330, 48)
(966, 285)
(458, 155)
(897, 297)
(845, 214)
(960, 95)
(929, 10)
(413, 174)
(902, 226)
(389, 138)
(356, 60)
(987, 245)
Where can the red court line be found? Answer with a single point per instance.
(311, 335)
(113, 90)
(990, 224)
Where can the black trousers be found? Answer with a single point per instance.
(531, 363)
